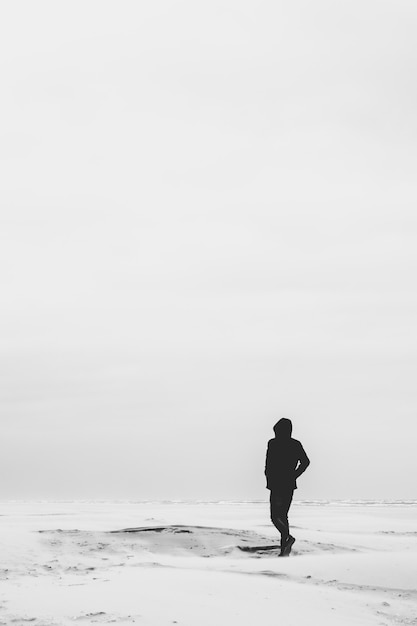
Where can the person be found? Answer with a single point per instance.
(285, 461)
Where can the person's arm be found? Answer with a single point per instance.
(267, 465)
(304, 462)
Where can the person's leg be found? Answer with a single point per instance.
(280, 504)
(286, 547)
(287, 499)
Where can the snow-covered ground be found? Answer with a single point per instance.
(61, 563)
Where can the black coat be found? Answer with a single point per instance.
(285, 461)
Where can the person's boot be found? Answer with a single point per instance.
(283, 544)
(286, 549)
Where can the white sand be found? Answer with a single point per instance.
(350, 565)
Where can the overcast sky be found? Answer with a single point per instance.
(208, 222)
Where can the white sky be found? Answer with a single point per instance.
(208, 222)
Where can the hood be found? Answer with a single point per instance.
(283, 428)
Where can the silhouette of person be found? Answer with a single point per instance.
(286, 460)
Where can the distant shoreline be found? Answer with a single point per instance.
(306, 502)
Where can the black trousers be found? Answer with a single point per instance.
(280, 502)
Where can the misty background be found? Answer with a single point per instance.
(208, 222)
